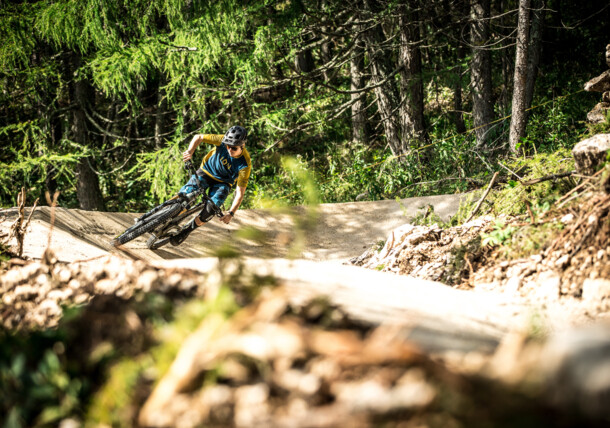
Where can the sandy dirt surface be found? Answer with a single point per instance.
(341, 231)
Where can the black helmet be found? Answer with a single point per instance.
(235, 136)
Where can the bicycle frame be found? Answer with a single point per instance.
(164, 230)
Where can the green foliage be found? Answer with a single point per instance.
(38, 388)
(15, 33)
(113, 404)
(47, 376)
(513, 198)
(601, 128)
(427, 217)
(31, 159)
(202, 66)
(163, 171)
(499, 235)
(557, 125)
(121, 72)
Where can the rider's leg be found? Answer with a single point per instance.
(218, 194)
(204, 216)
(191, 185)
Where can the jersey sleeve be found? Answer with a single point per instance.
(244, 173)
(214, 139)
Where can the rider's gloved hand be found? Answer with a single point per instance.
(226, 218)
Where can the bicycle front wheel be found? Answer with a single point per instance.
(148, 224)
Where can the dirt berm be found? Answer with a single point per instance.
(337, 231)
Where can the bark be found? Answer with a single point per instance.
(56, 135)
(480, 70)
(458, 107)
(535, 47)
(518, 119)
(386, 94)
(359, 125)
(87, 185)
(303, 61)
(505, 59)
(412, 108)
(326, 53)
(461, 9)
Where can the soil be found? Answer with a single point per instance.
(340, 231)
(569, 273)
(282, 361)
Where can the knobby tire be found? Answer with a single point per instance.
(149, 224)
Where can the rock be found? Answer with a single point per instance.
(26, 292)
(295, 380)
(51, 308)
(599, 112)
(568, 218)
(608, 55)
(251, 405)
(548, 286)
(600, 83)
(596, 289)
(373, 396)
(60, 295)
(576, 366)
(146, 280)
(106, 286)
(513, 284)
(590, 153)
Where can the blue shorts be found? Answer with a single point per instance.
(217, 190)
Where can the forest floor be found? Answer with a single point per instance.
(323, 359)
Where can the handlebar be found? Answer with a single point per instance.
(188, 165)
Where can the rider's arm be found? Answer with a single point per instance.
(239, 197)
(214, 139)
(197, 139)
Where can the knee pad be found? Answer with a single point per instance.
(207, 212)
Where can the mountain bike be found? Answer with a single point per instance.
(164, 221)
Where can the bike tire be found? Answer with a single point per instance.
(149, 224)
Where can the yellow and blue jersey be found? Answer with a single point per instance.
(219, 165)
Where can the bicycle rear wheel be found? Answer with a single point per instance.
(148, 224)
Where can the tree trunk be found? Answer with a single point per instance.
(56, 135)
(518, 120)
(359, 125)
(409, 57)
(506, 58)
(458, 107)
(303, 61)
(87, 185)
(535, 47)
(480, 70)
(385, 90)
(459, 10)
(326, 53)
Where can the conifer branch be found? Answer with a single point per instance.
(179, 48)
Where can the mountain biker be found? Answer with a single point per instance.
(223, 167)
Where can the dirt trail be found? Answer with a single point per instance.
(341, 231)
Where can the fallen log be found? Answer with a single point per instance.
(436, 317)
